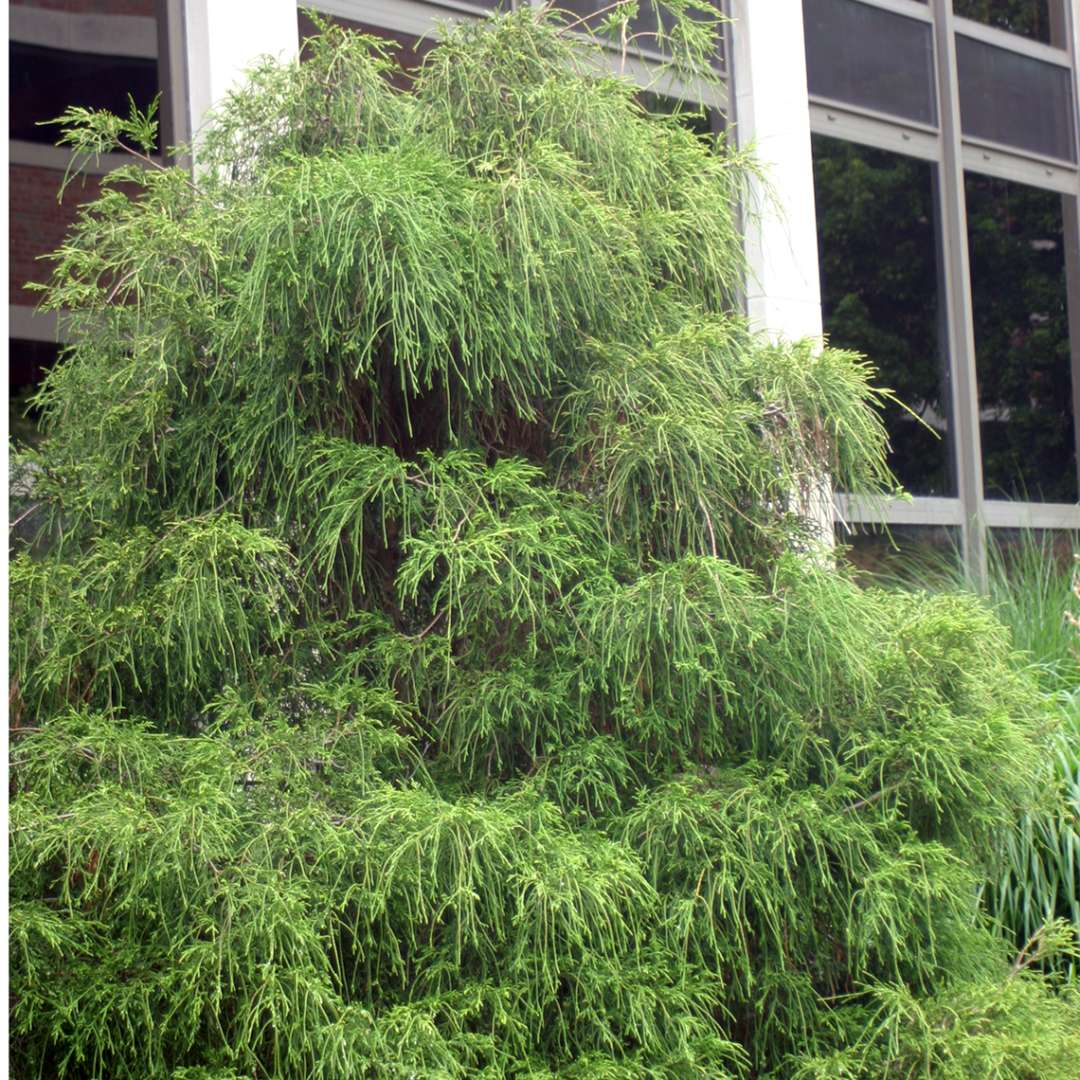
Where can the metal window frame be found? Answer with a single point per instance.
(955, 154)
(1010, 42)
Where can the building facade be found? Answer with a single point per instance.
(923, 161)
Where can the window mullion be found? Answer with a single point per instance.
(958, 306)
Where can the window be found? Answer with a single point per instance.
(865, 56)
(1028, 17)
(912, 554)
(1022, 352)
(880, 283)
(707, 123)
(44, 82)
(1015, 100)
(28, 361)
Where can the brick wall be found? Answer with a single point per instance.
(38, 222)
(92, 7)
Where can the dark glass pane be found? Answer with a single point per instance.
(708, 123)
(650, 18)
(1015, 100)
(1022, 353)
(44, 82)
(877, 242)
(1028, 17)
(869, 57)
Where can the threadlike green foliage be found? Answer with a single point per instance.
(1034, 877)
(426, 668)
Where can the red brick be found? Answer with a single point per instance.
(92, 7)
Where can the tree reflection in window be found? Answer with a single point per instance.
(878, 250)
(1022, 351)
(1028, 17)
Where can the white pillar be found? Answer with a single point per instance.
(223, 38)
(772, 113)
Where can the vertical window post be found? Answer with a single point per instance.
(957, 275)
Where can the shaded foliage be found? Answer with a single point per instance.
(434, 671)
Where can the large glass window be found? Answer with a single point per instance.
(1015, 100)
(1022, 350)
(866, 56)
(878, 246)
(1028, 17)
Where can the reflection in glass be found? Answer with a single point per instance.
(1013, 99)
(1022, 351)
(877, 244)
(869, 57)
(1028, 17)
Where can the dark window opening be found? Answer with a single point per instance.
(44, 82)
(407, 51)
(28, 361)
(643, 27)
(907, 555)
(702, 121)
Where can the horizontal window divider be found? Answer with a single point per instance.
(84, 32)
(911, 9)
(863, 126)
(1010, 163)
(863, 113)
(920, 510)
(938, 510)
(26, 323)
(1017, 43)
(403, 16)
(1006, 514)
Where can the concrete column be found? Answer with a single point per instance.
(772, 112)
(222, 39)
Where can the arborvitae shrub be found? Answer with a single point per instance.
(429, 669)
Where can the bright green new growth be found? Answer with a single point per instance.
(431, 671)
